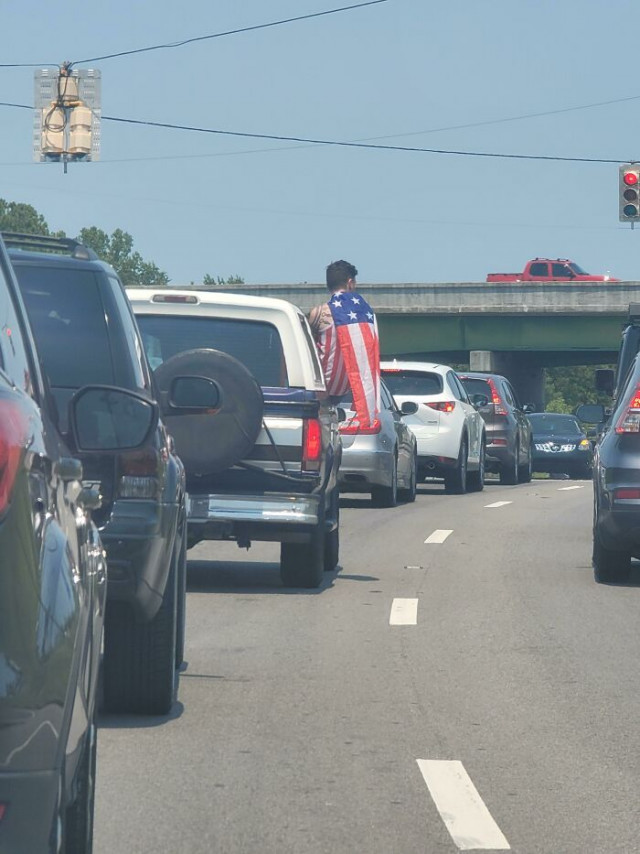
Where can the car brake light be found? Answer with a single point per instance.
(139, 474)
(626, 494)
(311, 444)
(629, 421)
(3, 810)
(353, 427)
(13, 437)
(442, 405)
(190, 298)
(496, 399)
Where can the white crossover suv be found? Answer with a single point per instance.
(449, 430)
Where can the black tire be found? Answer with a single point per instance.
(139, 671)
(302, 564)
(387, 496)
(455, 481)
(525, 472)
(78, 818)
(475, 479)
(332, 538)
(181, 595)
(408, 495)
(509, 470)
(609, 566)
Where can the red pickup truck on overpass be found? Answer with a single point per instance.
(550, 270)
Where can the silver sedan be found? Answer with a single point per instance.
(380, 460)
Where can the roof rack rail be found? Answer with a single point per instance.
(46, 243)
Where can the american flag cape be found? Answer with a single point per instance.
(356, 332)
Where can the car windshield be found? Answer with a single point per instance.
(68, 320)
(543, 422)
(254, 343)
(578, 270)
(406, 382)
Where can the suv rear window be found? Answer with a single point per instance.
(254, 343)
(68, 320)
(402, 382)
(474, 386)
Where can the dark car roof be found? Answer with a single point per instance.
(48, 259)
(480, 375)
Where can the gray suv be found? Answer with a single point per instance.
(509, 438)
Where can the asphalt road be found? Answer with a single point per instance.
(475, 692)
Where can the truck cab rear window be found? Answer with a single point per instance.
(254, 343)
(402, 382)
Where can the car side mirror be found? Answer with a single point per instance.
(591, 413)
(194, 393)
(528, 407)
(409, 407)
(479, 400)
(342, 415)
(106, 418)
(605, 380)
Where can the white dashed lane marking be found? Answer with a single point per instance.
(567, 488)
(404, 612)
(438, 536)
(499, 504)
(460, 806)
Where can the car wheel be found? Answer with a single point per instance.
(139, 674)
(409, 494)
(509, 471)
(332, 539)
(609, 565)
(476, 478)
(302, 564)
(525, 472)
(181, 601)
(78, 818)
(387, 496)
(455, 481)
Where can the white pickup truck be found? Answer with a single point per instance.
(243, 396)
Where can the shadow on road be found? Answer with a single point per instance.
(106, 721)
(216, 576)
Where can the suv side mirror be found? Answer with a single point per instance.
(591, 413)
(106, 418)
(605, 380)
(409, 407)
(479, 400)
(528, 407)
(194, 393)
(342, 415)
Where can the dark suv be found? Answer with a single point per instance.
(86, 334)
(52, 595)
(509, 440)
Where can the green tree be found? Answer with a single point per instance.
(117, 249)
(567, 387)
(23, 218)
(217, 281)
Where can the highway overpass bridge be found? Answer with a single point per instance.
(516, 329)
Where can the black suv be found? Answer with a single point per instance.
(52, 593)
(86, 334)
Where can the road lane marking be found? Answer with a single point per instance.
(404, 612)
(499, 504)
(567, 488)
(438, 536)
(460, 806)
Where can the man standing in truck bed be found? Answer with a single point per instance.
(346, 334)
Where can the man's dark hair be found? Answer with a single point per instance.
(339, 273)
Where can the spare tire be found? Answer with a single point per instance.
(209, 442)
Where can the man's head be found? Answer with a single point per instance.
(341, 276)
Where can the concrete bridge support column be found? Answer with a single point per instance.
(525, 376)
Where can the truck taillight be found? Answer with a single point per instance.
(629, 421)
(496, 399)
(13, 437)
(139, 474)
(311, 444)
(442, 405)
(353, 427)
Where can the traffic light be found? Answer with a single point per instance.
(629, 192)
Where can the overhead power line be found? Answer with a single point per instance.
(346, 144)
(171, 45)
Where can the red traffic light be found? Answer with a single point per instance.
(630, 178)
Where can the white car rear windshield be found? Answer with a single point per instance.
(402, 382)
(254, 343)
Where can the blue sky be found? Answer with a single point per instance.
(398, 71)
